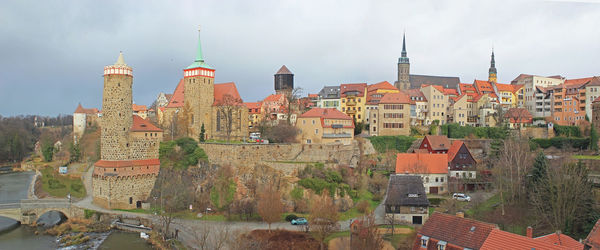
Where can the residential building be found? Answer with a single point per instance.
(437, 104)
(518, 117)
(461, 163)
(543, 102)
(533, 101)
(255, 113)
(568, 101)
(418, 107)
(374, 94)
(485, 107)
(324, 126)
(432, 168)
(274, 107)
(508, 96)
(458, 111)
(329, 97)
(435, 144)
(140, 110)
(284, 80)
(162, 100)
(353, 97)
(391, 115)
(445, 231)
(406, 200)
(592, 90)
(596, 114)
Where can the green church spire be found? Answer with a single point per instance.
(199, 62)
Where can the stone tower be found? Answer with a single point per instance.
(403, 82)
(284, 80)
(492, 73)
(199, 94)
(116, 111)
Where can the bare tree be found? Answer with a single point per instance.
(281, 133)
(244, 207)
(207, 236)
(366, 235)
(293, 105)
(173, 195)
(227, 110)
(270, 206)
(511, 168)
(323, 217)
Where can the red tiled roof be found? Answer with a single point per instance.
(326, 113)
(126, 163)
(577, 82)
(225, 89)
(438, 142)
(516, 87)
(417, 163)
(313, 95)
(462, 232)
(505, 87)
(483, 86)
(274, 98)
(560, 240)
(498, 239)
(141, 125)
(466, 86)
(138, 108)
(450, 92)
(381, 85)
(81, 110)
(177, 99)
(593, 238)
(253, 105)
(395, 98)
(347, 87)
(453, 150)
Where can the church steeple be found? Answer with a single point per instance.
(492, 73)
(199, 62)
(403, 68)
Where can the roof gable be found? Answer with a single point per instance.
(141, 125)
(394, 98)
(178, 96)
(381, 85)
(462, 232)
(326, 113)
(437, 142)
(226, 89)
(406, 190)
(498, 239)
(418, 163)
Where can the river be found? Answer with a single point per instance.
(14, 187)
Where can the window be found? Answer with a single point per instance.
(424, 240)
(308, 141)
(316, 131)
(313, 122)
(303, 121)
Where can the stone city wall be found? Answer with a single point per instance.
(122, 192)
(276, 155)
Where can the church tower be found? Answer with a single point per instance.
(116, 111)
(403, 82)
(199, 94)
(492, 73)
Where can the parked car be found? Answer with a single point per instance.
(461, 197)
(299, 221)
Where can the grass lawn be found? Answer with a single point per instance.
(587, 157)
(353, 212)
(224, 142)
(398, 239)
(397, 226)
(485, 206)
(58, 185)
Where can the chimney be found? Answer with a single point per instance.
(460, 214)
(529, 232)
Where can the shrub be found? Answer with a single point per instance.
(297, 193)
(290, 217)
(181, 153)
(362, 206)
(55, 184)
(562, 142)
(567, 131)
(399, 143)
(353, 194)
(76, 186)
(435, 201)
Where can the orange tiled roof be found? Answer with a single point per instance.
(138, 108)
(438, 142)
(450, 92)
(326, 113)
(505, 87)
(141, 125)
(462, 232)
(274, 98)
(483, 86)
(81, 110)
(578, 81)
(177, 99)
(498, 239)
(381, 85)
(253, 105)
(593, 238)
(560, 240)
(127, 163)
(224, 89)
(313, 95)
(395, 98)
(417, 163)
(453, 150)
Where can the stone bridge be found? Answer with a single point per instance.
(27, 211)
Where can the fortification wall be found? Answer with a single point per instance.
(122, 192)
(276, 154)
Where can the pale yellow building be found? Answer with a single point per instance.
(325, 126)
(392, 116)
(353, 99)
(459, 110)
(437, 104)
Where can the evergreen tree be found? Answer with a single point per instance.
(593, 138)
(202, 135)
(540, 169)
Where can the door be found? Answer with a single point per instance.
(433, 190)
(417, 220)
(138, 204)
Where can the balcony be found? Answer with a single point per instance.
(350, 111)
(351, 102)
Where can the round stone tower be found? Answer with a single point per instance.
(116, 111)
(199, 80)
(284, 80)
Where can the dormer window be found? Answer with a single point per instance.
(424, 240)
(441, 245)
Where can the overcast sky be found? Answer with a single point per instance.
(52, 53)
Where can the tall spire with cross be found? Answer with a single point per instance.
(492, 73)
(403, 68)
